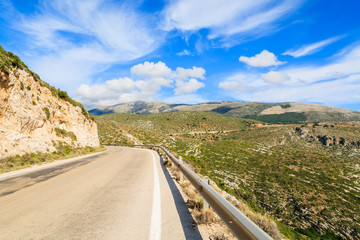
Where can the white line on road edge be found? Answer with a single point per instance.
(155, 226)
(34, 168)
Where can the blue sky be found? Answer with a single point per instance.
(108, 52)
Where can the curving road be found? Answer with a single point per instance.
(124, 193)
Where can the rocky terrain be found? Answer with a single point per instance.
(291, 112)
(35, 117)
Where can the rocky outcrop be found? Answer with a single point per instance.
(34, 116)
(325, 139)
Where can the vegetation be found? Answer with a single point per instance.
(47, 112)
(286, 118)
(310, 188)
(285, 113)
(64, 133)
(9, 62)
(63, 151)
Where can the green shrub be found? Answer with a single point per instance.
(67, 150)
(287, 118)
(21, 86)
(64, 133)
(47, 112)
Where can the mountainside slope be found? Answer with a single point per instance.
(292, 112)
(305, 176)
(34, 116)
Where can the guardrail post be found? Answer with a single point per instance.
(181, 174)
(206, 205)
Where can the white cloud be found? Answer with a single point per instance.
(185, 52)
(187, 98)
(119, 90)
(263, 59)
(336, 82)
(150, 69)
(233, 86)
(190, 86)
(242, 82)
(226, 17)
(195, 72)
(310, 48)
(149, 79)
(342, 66)
(109, 90)
(334, 92)
(73, 40)
(275, 77)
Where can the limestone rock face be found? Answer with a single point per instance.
(32, 118)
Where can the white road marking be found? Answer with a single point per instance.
(155, 226)
(34, 168)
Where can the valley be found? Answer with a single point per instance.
(310, 186)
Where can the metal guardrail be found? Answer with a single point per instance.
(240, 225)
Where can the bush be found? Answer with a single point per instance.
(286, 118)
(47, 112)
(67, 150)
(64, 133)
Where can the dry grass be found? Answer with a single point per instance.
(263, 221)
(209, 217)
(207, 220)
(205, 216)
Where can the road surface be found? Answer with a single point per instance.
(124, 193)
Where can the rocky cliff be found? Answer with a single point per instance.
(35, 117)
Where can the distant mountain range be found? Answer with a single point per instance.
(288, 112)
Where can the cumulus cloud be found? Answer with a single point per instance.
(331, 83)
(190, 86)
(151, 70)
(275, 77)
(226, 17)
(311, 48)
(148, 79)
(263, 59)
(119, 90)
(195, 72)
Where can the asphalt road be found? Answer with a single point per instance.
(123, 193)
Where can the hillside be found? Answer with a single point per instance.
(36, 117)
(304, 176)
(267, 112)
